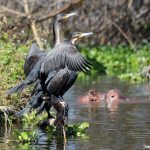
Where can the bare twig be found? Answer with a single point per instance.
(130, 2)
(143, 12)
(64, 134)
(20, 14)
(122, 32)
(33, 20)
(60, 10)
(33, 25)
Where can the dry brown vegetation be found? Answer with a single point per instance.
(113, 22)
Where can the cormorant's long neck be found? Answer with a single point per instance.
(56, 32)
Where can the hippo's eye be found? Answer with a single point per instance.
(113, 96)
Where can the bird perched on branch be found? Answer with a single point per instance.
(58, 81)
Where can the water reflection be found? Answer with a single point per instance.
(128, 128)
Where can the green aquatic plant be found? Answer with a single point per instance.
(32, 118)
(121, 61)
(77, 129)
(29, 118)
(27, 136)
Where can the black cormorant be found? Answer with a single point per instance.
(57, 83)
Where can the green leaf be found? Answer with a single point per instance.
(20, 138)
(84, 125)
(24, 135)
(78, 134)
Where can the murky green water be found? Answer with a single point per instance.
(129, 128)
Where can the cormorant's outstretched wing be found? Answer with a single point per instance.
(34, 50)
(32, 57)
(75, 60)
(64, 54)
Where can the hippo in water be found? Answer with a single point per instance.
(114, 98)
(93, 96)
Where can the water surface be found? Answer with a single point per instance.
(129, 128)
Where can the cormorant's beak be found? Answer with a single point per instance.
(86, 34)
(70, 15)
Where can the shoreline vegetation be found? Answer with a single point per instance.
(121, 61)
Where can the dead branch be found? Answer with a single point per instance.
(122, 32)
(33, 21)
(130, 2)
(143, 12)
(33, 25)
(60, 10)
(20, 14)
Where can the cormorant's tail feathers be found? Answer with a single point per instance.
(41, 108)
(23, 111)
(17, 88)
